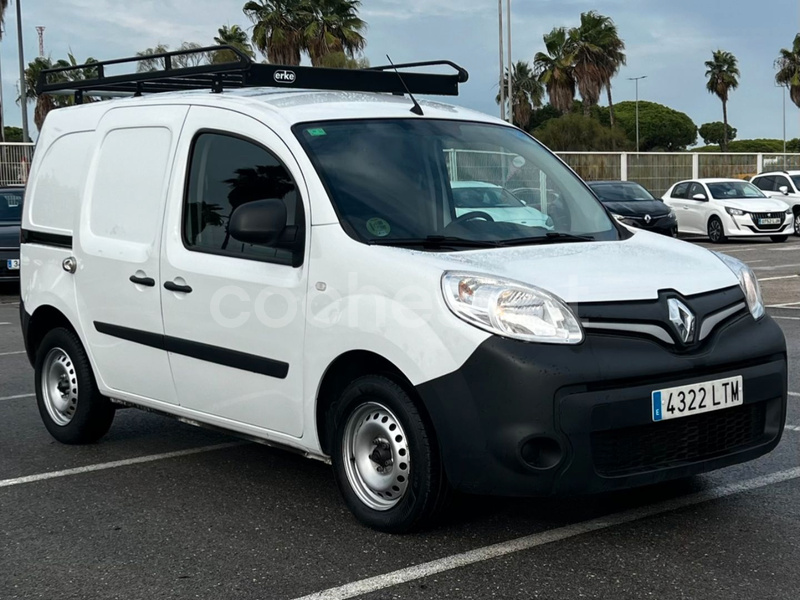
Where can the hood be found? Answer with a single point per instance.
(633, 269)
(638, 208)
(758, 205)
(9, 235)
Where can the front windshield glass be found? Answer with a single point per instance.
(414, 179)
(621, 192)
(731, 190)
(11, 205)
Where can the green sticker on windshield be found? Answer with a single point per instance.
(378, 227)
(316, 132)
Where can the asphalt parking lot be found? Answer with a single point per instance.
(159, 509)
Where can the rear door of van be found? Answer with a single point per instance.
(117, 246)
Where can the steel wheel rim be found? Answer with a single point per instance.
(715, 231)
(377, 460)
(59, 385)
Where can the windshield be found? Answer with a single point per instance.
(730, 190)
(415, 179)
(621, 192)
(11, 205)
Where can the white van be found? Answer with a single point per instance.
(287, 265)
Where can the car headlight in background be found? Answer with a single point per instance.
(671, 213)
(734, 212)
(748, 282)
(510, 309)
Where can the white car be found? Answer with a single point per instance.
(784, 185)
(497, 203)
(723, 208)
(288, 265)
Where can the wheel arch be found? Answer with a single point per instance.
(45, 318)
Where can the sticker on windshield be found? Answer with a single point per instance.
(316, 132)
(378, 227)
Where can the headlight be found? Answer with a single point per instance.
(735, 212)
(748, 282)
(510, 309)
(671, 213)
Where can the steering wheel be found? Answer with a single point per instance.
(472, 215)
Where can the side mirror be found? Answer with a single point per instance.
(260, 222)
(699, 197)
(784, 189)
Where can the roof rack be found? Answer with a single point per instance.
(91, 79)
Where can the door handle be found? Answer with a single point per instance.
(145, 281)
(174, 287)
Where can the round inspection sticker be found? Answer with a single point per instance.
(378, 227)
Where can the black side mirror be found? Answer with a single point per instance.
(261, 222)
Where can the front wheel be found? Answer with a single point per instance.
(385, 457)
(716, 233)
(797, 222)
(779, 238)
(71, 407)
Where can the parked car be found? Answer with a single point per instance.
(723, 208)
(784, 185)
(289, 265)
(10, 216)
(497, 203)
(633, 205)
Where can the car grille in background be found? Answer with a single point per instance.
(773, 215)
(681, 441)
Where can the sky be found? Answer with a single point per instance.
(667, 40)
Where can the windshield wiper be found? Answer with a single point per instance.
(551, 237)
(436, 242)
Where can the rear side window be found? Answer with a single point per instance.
(226, 172)
(680, 190)
(781, 181)
(765, 183)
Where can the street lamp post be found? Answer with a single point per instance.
(510, 67)
(23, 97)
(502, 86)
(636, 79)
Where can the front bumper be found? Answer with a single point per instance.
(5, 273)
(525, 419)
(748, 225)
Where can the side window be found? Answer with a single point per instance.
(681, 190)
(765, 183)
(226, 172)
(781, 181)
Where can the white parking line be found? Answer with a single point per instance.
(115, 464)
(788, 318)
(4, 323)
(776, 278)
(776, 267)
(17, 397)
(448, 563)
(784, 305)
(792, 428)
(795, 394)
(12, 353)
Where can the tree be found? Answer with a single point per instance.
(714, 133)
(278, 27)
(723, 77)
(13, 134)
(575, 132)
(660, 127)
(334, 26)
(527, 93)
(180, 61)
(788, 65)
(598, 54)
(236, 37)
(555, 69)
(340, 60)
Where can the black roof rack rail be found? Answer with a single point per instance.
(91, 79)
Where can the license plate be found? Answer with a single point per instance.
(769, 221)
(673, 403)
(12, 264)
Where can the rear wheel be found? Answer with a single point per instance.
(779, 238)
(797, 222)
(71, 407)
(716, 233)
(385, 457)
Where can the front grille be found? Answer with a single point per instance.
(773, 215)
(681, 441)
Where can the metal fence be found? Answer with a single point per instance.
(15, 163)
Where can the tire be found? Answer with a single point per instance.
(779, 238)
(797, 222)
(716, 232)
(71, 407)
(377, 426)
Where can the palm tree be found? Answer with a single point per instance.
(527, 93)
(233, 36)
(334, 27)
(278, 27)
(598, 52)
(555, 69)
(789, 70)
(723, 77)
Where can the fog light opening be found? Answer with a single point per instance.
(541, 452)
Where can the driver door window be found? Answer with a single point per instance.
(695, 189)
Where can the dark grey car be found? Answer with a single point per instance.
(10, 219)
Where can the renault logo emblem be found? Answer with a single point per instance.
(682, 319)
(647, 218)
